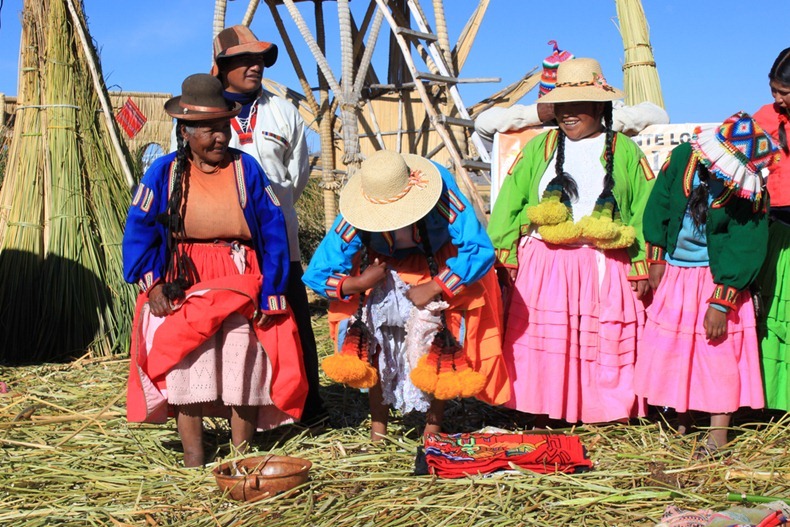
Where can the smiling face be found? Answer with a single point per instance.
(242, 73)
(580, 119)
(208, 140)
(781, 94)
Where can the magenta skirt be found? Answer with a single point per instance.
(679, 367)
(571, 334)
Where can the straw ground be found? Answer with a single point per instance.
(70, 458)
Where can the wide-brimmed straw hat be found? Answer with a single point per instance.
(390, 191)
(581, 79)
(201, 99)
(240, 40)
(736, 152)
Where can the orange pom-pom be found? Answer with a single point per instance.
(423, 376)
(448, 386)
(369, 380)
(345, 369)
(472, 382)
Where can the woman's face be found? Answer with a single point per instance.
(579, 120)
(781, 94)
(208, 140)
(243, 73)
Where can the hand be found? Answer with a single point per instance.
(422, 294)
(506, 276)
(158, 303)
(545, 111)
(262, 319)
(655, 274)
(370, 278)
(715, 323)
(641, 287)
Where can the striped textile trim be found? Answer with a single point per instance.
(649, 175)
(172, 178)
(502, 255)
(455, 201)
(138, 195)
(143, 198)
(514, 163)
(523, 230)
(238, 169)
(276, 303)
(666, 162)
(333, 285)
(272, 195)
(725, 197)
(449, 206)
(688, 174)
(145, 206)
(346, 231)
(451, 281)
(725, 295)
(551, 144)
(639, 270)
(655, 254)
(280, 138)
(146, 281)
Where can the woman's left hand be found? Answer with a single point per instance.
(641, 287)
(422, 294)
(715, 323)
(262, 319)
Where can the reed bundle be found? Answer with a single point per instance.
(62, 206)
(640, 75)
(71, 459)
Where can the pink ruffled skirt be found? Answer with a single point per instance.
(679, 367)
(572, 331)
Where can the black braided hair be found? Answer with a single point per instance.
(698, 200)
(780, 72)
(608, 180)
(181, 272)
(444, 333)
(570, 190)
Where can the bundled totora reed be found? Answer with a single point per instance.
(63, 202)
(640, 76)
(70, 458)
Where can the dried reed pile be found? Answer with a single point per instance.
(640, 75)
(70, 459)
(62, 204)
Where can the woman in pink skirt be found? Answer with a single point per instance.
(707, 234)
(567, 229)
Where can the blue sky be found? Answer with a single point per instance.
(713, 56)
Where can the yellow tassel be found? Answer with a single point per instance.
(598, 228)
(423, 376)
(626, 235)
(472, 382)
(563, 233)
(547, 212)
(448, 386)
(345, 369)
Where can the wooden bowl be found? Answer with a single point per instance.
(259, 477)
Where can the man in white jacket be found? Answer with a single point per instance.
(270, 129)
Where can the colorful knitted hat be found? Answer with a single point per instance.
(549, 76)
(736, 152)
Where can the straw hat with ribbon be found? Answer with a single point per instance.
(240, 40)
(390, 191)
(736, 152)
(580, 79)
(201, 100)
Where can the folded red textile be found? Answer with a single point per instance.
(460, 455)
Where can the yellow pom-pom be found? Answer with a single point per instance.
(563, 233)
(423, 376)
(472, 382)
(547, 212)
(448, 386)
(598, 227)
(626, 235)
(345, 369)
(370, 379)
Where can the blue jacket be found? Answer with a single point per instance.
(144, 241)
(451, 220)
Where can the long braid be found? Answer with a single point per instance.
(608, 181)
(181, 273)
(570, 190)
(444, 333)
(780, 72)
(698, 200)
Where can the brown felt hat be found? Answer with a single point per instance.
(201, 99)
(240, 40)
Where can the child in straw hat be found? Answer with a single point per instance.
(567, 229)
(774, 279)
(415, 312)
(706, 229)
